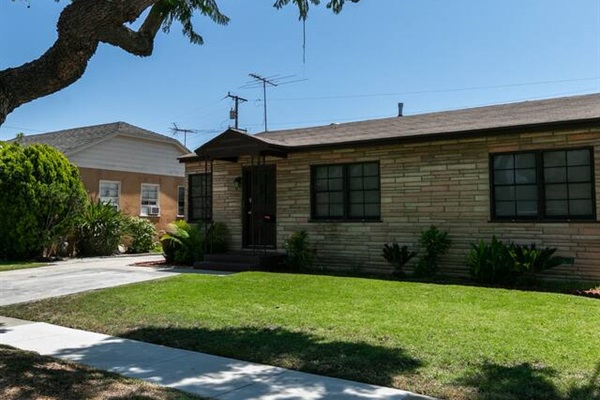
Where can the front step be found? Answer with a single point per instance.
(227, 266)
(241, 261)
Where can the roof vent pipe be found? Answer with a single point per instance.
(400, 107)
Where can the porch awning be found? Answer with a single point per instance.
(232, 144)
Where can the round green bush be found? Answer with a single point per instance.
(142, 234)
(41, 196)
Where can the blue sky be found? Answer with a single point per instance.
(432, 55)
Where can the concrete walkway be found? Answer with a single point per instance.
(76, 275)
(201, 374)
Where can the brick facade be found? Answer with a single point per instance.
(438, 182)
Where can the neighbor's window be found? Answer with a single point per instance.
(543, 185)
(150, 202)
(109, 193)
(200, 197)
(345, 191)
(180, 201)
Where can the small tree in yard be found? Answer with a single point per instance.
(40, 198)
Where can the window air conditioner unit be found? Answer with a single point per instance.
(153, 210)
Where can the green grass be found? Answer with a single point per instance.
(12, 265)
(448, 341)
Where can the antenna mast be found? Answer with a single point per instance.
(175, 130)
(265, 82)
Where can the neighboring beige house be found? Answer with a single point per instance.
(134, 169)
(525, 172)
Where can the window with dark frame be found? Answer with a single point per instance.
(180, 201)
(345, 192)
(543, 185)
(200, 197)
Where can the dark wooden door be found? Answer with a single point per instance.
(259, 207)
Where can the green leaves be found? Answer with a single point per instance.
(397, 256)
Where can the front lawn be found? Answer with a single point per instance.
(448, 341)
(12, 265)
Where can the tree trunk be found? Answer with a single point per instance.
(82, 25)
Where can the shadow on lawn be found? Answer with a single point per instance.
(294, 350)
(526, 381)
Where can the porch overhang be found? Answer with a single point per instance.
(233, 144)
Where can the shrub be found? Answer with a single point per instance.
(397, 256)
(299, 253)
(491, 263)
(530, 260)
(217, 238)
(436, 244)
(142, 234)
(99, 230)
(183, 243)
(40, 197)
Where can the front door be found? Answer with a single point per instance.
(259, 207)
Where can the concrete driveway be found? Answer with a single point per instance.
(77, 275)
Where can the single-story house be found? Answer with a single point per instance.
(525, 172)
(134, 169)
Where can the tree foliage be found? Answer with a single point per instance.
(40, 197)
(84, 24)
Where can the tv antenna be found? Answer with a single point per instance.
(177, 130)
(234, 114)
(274, 80)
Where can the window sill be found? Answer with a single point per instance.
(149, 216)
(544, 221)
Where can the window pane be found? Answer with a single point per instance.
(554, 159)
(505, 209)
(322, 198)
(336, 197)
(321, 185)
(504, 177)
(355, 170)
(505, 193)
(371, 169)
(580, 207)
(372, 196)
(526, 160)
(337, 210)
(556, 191)
(580, 191)
(578, 157)
(372, 182)
(527, 208)
(320, 172)
(528, 192)
(357, 197)
(557, 208)
(372, 210)
(555, 174)
(357, 210)
(579, 174)
(322, 210)
(525, 176)
(504, 161)
(336, 184)
(356, 183)
(335, 171)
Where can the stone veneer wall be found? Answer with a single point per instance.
(442, 182)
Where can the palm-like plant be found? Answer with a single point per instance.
(397, 256)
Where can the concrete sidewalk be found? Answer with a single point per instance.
(198, 373)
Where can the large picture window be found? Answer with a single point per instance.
(200, 197)
(543, 185)
(345, 192)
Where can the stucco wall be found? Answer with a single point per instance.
(131, 190)
(443, 182)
